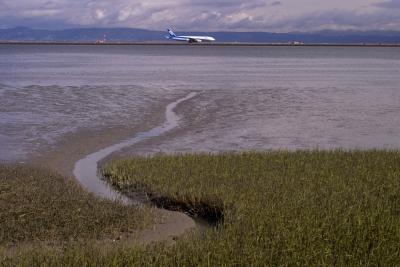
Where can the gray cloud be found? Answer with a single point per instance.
(340, 20)
(276, 3)
(389, 4)
(235, 15)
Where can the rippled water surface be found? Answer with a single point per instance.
(247, 97)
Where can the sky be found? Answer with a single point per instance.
(204, 15)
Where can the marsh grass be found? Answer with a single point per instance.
(37, 205)
(306, 208)
(286, 208)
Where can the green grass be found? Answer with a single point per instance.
(40, 206)
(307, 208)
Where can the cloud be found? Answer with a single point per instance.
(40, 12)
(329, 20)
(205, 15)
(389, 4)
(99, 14)
(276, 3)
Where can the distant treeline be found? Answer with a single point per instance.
(139, 35)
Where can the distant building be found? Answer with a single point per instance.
(102, 41)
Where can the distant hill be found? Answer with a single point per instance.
(131, 34)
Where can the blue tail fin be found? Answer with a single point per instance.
(171, 33)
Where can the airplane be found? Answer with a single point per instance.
(189, 39)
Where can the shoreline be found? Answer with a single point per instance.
(217, 44)
(78, 149)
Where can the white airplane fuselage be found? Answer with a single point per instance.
(189, 38)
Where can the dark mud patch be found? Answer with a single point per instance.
(206, 213)
(213, 213)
